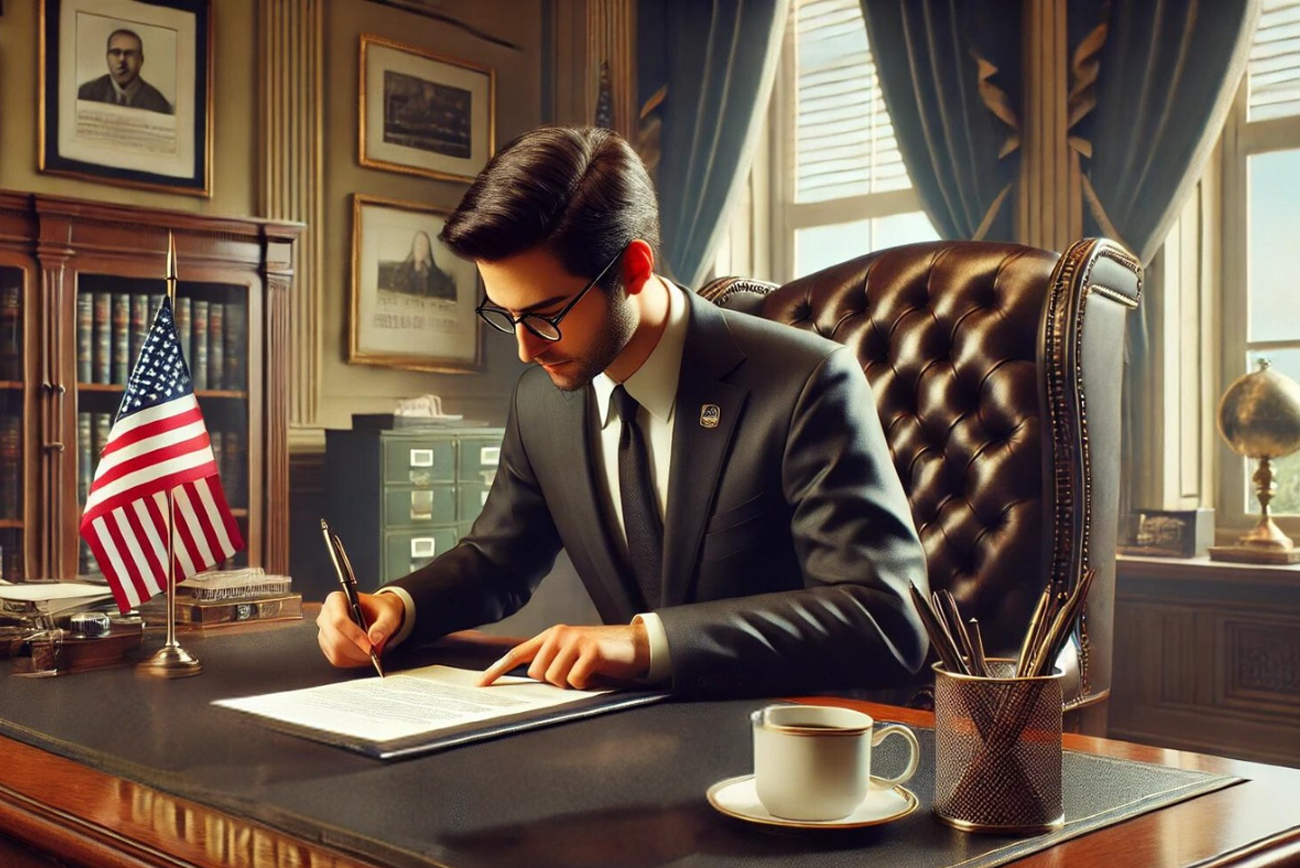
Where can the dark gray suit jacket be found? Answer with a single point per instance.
(788, 542)
(146, 96)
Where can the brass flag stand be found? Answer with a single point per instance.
(171, 660)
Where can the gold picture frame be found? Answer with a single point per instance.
(424, 113)
(412, 301)
(126, 93)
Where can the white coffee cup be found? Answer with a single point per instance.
(814, 762)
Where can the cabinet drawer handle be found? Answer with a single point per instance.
(421, 457)
(423, 547)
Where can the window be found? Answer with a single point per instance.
(830, 183)
(844, 190)
(1261, 224)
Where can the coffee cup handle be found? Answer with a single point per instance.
(913, 759)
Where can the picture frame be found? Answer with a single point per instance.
(412, 301)
(424, 113)
(126, 92)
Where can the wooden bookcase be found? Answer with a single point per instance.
(64, 256)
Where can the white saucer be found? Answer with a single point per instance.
(737, 797)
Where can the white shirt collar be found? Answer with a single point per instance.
(654, 384)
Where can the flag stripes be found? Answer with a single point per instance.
(157, 487)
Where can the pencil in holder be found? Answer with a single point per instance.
(998, 751)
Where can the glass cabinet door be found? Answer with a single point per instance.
(114, 315)
(12, 423)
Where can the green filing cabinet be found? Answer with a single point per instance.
(399, 498)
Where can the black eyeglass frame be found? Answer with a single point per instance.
(483, 310)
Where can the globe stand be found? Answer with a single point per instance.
(1265, 543)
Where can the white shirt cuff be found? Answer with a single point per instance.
(408, 619)
(661, 668)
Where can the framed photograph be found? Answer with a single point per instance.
(423, 113)
(412, 300)
(126, 92)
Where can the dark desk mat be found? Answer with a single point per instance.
(623, 790)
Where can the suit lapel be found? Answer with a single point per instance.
(581, 509)
(705, 413)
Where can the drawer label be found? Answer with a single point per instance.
(423, 547)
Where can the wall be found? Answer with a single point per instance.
(345, 388)
(234, 109)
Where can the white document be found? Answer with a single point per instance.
(422, 701)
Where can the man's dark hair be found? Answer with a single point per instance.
(122, 31)
(582, 192)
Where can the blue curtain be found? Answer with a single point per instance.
(1166, 72)
(704, 76)
(950, 73)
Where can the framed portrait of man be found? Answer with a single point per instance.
(424, 113)
(126, 92)
(412, 300)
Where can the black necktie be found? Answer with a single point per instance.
(645, 530)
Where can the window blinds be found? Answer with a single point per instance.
(844, 140)
(1275, 62)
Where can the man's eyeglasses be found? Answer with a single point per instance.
(545, 327)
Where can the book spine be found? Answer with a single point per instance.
(216, 345)
(236, 346)
(102, 351)
(11, 332)
(218, 440)
(233, 469)
(121, 338)
(184, 330)
(209, 614)
(139, 326)
(85, 335)
(199, 362)
(11, 462)
(86, 458)
(101, 425)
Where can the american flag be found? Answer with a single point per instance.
(158, 446)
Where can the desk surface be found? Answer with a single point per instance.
(103, 817)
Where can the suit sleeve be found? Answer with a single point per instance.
(491, 573)
(852, 623)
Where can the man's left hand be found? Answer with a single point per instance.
(576, 656)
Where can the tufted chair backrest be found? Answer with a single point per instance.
(996, 370)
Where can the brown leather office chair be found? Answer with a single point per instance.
(996, 369)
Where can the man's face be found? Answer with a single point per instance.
(593, 332)
(125, 55)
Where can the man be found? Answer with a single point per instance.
(787, 543)
(123, 85)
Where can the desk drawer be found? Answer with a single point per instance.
(407, 507)
(419, 462)
(479, 457)
(407, 551)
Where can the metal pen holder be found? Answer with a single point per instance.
(998, 751)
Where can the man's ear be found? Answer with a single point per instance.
(638, 266)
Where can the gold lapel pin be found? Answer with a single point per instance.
(710, 415)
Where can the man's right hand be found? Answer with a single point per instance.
(343, 642)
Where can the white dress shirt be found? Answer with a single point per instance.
(654, 386)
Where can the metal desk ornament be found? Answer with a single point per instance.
(171, 660)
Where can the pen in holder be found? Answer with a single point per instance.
(998, 750)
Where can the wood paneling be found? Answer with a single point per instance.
(1208, 657)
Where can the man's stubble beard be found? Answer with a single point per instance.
(616, 331)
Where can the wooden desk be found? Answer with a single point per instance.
(84, 817)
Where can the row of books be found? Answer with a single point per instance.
(11, 332)
(219, 597)
(230, 448)
(112, 327)
(11, 464)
